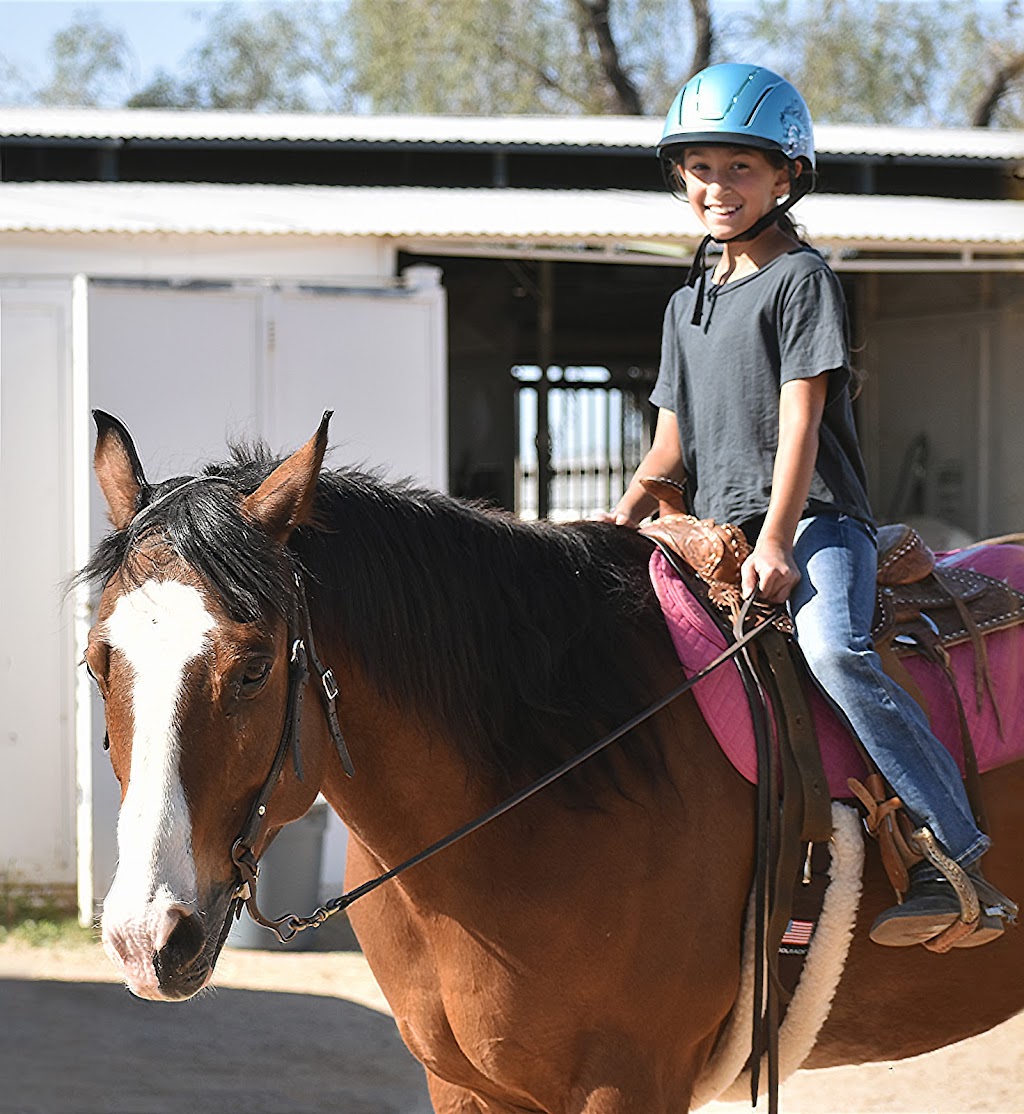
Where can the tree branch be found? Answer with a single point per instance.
(997, 88)
(626, 95)
(703, 36)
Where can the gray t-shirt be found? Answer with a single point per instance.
(722, 378)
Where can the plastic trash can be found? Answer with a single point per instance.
(289, 882)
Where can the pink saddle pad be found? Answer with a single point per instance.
(723, 702)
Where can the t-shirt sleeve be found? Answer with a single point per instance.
(664, 395)
(813, 329)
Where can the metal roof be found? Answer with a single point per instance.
(565, 217)
(638, 133)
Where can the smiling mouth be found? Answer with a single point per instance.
(722, 211)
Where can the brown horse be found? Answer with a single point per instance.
(577, 956)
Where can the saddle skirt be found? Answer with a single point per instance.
(723, 701)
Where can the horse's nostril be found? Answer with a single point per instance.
(183, 947)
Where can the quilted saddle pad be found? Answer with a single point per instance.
(723, 702)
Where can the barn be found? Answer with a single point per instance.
(478, 300)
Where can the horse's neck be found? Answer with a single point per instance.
(410, 788)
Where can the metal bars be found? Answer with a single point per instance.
(593, 427)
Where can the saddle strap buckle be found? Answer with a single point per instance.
(884, 822)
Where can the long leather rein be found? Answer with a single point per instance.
(303, 653)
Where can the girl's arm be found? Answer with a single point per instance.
(665, 458)
(770, 568)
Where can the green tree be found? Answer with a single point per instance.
(951, 62)
(889, 61)
(429, 56)
(266, 57)
(14, 86)
(518, 56)
(92, 65)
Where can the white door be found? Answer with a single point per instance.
(187, 369)
(37, 756)
(377, 359)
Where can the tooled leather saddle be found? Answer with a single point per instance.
(924, 607)
(920, 606)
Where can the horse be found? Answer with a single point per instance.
(580, 954)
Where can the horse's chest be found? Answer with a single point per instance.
(466, 1040)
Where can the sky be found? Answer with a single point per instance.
(160, 31)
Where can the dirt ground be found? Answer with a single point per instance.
(290, 1032)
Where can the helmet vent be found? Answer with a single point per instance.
(760, 101)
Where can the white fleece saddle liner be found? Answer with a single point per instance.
(724, 1076)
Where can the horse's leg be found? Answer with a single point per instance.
(449, 1098)
(603, 1099)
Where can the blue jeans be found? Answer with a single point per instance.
(832, 607)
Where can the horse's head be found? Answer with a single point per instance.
(195, 697)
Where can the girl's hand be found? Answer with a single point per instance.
(770, 570)
(617, 518)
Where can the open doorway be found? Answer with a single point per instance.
(560, 443)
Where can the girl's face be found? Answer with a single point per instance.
(729, 188)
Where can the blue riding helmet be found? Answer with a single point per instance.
(744, 105)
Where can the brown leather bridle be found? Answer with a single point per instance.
(302, 655)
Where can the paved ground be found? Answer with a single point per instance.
(288, 1033)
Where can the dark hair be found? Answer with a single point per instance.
(779, 161)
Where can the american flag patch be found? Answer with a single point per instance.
(798, 934)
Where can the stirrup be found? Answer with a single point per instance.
(981, 904)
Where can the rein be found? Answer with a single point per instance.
(242, 854)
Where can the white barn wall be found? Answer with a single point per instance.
(283, 330)
(1008, 419)
(207, 255)
(942, 360)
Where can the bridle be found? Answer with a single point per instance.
(303, 653)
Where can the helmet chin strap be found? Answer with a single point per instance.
(697, 275)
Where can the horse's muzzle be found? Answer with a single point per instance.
(179, 966)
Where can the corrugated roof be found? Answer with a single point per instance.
(626, 132)
(486, 131)
(483, 215)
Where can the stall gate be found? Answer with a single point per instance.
(581, 433)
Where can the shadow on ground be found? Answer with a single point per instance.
(87, 1048)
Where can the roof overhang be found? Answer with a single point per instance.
(856, 230)
(628, 134)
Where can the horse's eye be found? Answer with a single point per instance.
(255, 676)
(96, 679)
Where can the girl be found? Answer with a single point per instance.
(755, 418)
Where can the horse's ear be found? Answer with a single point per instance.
(285, 498)
(118, 468)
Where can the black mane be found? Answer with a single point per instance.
(524, 642)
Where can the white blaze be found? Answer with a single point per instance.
(159, 628)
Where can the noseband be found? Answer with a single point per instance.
(302, 655)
